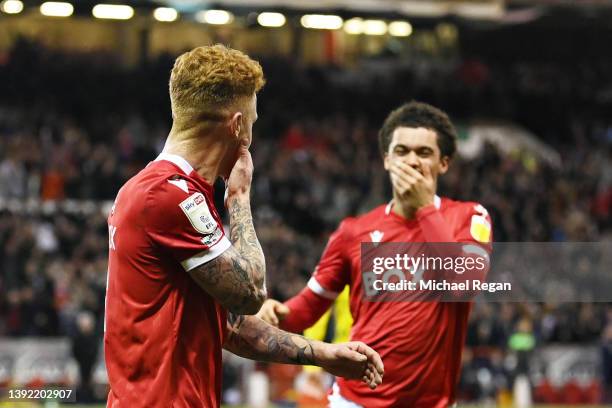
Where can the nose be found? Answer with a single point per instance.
(412, 159)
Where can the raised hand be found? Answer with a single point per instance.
(416, 190)
(272, 312)
(241, 176)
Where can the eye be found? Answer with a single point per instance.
(425, 152)
(400, 150)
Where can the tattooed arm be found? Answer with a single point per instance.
(236, 278)
(251, 337)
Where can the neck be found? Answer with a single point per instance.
(407, 212)
(203, 149)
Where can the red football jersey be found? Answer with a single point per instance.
(163, 333)
(420, 343)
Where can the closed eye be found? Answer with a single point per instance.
(424, 152)
(400, 150)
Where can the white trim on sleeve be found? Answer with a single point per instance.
(208, 255)
(476, 250)
(320, 290)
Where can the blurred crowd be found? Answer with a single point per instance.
(77, 126)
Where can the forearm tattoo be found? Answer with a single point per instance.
(236, 278)
(227, 279)
(244, 239)
(251, 337)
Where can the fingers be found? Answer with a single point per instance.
(400, 185)
(427, 173)
(241, 175)
(407, 169)
(372, 356)
(406, 173)
(371, 377)
(281, 310)
(349, 354)
(375, 369)
(375, 376)
(267, 312)
(271, 318)
(403, 182)
(244, 156)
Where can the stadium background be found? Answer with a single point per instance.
(84, 106)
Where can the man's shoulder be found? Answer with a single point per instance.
(470, 216)
(451, 206)
(159, 190)
(165, 184)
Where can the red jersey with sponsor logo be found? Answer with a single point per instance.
(420, 343)
(163, 333)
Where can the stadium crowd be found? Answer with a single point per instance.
(76, 126)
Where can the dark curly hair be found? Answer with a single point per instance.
(418, 114)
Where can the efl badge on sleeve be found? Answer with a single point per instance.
(480, 228)
(196, 210)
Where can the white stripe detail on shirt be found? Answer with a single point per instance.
(320, 290)
(208, 255)
(389, 207)
(178, 160)
(437, 204)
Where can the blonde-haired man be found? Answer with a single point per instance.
(178, 288)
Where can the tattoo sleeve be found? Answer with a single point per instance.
(244, 239)
(251, 337)
(236, 278)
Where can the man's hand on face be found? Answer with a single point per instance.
(241, 176)
(415, 190)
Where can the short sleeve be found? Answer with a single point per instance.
(184, 222)
(333, 271)
(476, 226)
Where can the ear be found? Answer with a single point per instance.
(386, 161)
(444, 163)
(235, 125)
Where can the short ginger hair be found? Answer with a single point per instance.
(210, 78)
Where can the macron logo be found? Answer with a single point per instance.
(180, 183)
(376, 236)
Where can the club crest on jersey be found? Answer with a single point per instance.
(376, 236)
(198, 214)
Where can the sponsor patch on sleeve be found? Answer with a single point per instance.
(196, 210)
(211, 239)
(480, 228)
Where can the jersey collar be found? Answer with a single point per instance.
(437, 202)
(177, 160)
